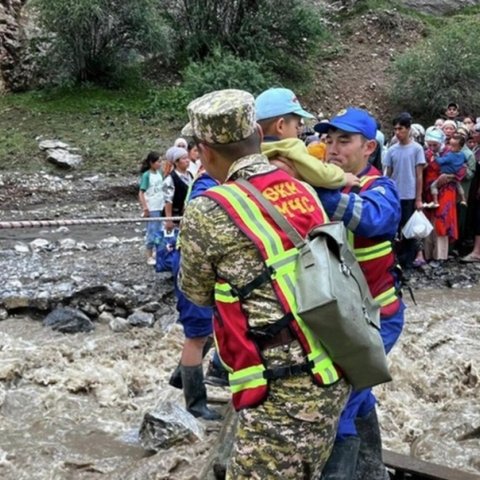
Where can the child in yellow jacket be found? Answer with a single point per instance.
(280, 115)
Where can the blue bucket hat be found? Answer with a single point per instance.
(351, 120)
(276, 102)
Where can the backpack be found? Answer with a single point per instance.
(334, 300)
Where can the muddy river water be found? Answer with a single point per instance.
(71, 406)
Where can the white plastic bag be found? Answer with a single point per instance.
(417, 226)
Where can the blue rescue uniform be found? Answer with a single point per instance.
(373, 213)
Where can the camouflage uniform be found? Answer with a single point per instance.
(280, 438)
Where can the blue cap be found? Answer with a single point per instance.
(351, 120)
(276, 102)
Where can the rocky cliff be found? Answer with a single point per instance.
(11, 43)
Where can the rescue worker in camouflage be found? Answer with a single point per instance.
(289, 432)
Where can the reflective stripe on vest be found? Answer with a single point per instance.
(283, 263)
(250, 377)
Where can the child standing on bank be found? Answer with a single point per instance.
(151, 199)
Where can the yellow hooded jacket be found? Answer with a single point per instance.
(312, 170)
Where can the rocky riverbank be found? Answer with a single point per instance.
(72, 404)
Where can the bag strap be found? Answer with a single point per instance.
(279, 219)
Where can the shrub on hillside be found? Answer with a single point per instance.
(224, 70)
(218, 71)
(443, 68)
(94, 40)
(280, 34)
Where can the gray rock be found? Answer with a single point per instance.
(88, 309)
(63, 158)
(152, 307)
(3, 314)
(68, 320)
(141, 319)
(40, 244)
(167, 426)
(13, 302)
(105, 318)
(67, 243)
(21, 247)
(120, 312)
(119, 324)
(108, 242)
(53, 144)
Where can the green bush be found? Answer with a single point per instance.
(218, 71)
(94, 40)
(444, 68)
(225, 70)
(282, 35)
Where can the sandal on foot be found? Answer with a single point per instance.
(470, 258)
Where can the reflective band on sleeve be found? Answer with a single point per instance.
(356, 214)
(341, 207)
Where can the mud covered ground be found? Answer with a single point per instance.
(71, 405)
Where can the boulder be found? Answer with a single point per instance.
(68, 320)
(141, 319)
(167, 426)
(64, 158)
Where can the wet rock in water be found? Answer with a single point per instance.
(40, 244)
(119, 324)
(67, 244)
(141, 319)
(3, 314)
(167, 426)
(68, 320)
(21, 247)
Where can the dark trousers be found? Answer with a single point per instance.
(407, 247)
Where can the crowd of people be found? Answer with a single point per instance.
(434, 170)
(297, 414)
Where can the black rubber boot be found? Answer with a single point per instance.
(196, 393)
(342, 461)
(370, 463)
(216, 376)
(176, 376)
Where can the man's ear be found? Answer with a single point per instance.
(205, 153)
(370, 146)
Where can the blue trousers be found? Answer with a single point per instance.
(361, 402)
(196, 321)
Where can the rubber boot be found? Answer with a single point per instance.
(176, 376)
(195, 393)
(370, 463)
(343, 459)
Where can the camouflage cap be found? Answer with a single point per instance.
(223, 116)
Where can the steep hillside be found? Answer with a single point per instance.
(360, 73)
